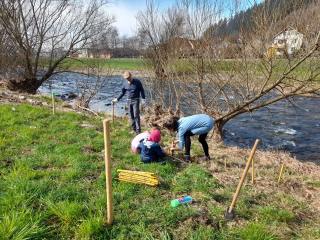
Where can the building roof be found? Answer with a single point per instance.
(289, 28)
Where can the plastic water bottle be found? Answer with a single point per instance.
(182, 200)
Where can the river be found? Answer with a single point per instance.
(282, 126)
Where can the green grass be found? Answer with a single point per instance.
(252, 67)
(52, 186)
(255, 231)
(270, 214)
(189, 66)
(105, 64)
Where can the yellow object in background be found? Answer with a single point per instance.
(271, 52)
(138, 177)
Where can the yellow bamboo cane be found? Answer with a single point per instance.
(113, 112)
(53, 103)
(135, 172)
(140, 182)
(139, 179)
(252, 171)
(281, 172)
(137, 176)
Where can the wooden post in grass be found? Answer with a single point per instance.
(107, 158)
(113, 112)
(281, 172)
(229, 212)
(172, 146)
(53, 103)
(252, 171)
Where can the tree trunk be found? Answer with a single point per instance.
(28, 85)
(218, 130)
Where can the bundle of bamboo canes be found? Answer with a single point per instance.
(138, 177)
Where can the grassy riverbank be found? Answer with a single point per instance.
(187, 66)
(52, 187)
(136, 64)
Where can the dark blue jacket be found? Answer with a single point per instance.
(134, 90)
(150, 151)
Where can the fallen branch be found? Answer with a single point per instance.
(89, 110)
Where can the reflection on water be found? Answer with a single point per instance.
(280, 126)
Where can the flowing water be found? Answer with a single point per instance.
(293, 128)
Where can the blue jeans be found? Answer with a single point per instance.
(134, 110)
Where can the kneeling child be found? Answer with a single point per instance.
(150, 149)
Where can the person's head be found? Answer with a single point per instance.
(127, 75)
(171, 123)
(155, 135)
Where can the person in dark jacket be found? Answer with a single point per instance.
(199, 124)
(150, 149)
(134, 89)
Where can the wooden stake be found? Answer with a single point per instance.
(281, 172)
(252, 171)
(89, 110)
(244, 174)
(172, 146)
(53, 103)
(107, 158)
(113, 112)
(225, 164)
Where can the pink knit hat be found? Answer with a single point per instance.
(155, 135)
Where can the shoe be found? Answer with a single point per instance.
(187, 158)
(205, 158)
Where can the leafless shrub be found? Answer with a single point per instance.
(156, 115)
(91, 82)
(41, 34)
(198, 75)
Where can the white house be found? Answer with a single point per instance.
(289, 41)
(83, 53)
(92, 53)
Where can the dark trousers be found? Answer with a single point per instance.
(202, 140)
(134, 110)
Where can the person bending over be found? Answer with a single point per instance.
(199, 124)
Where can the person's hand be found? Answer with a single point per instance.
(114, 101)
(143, 102)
